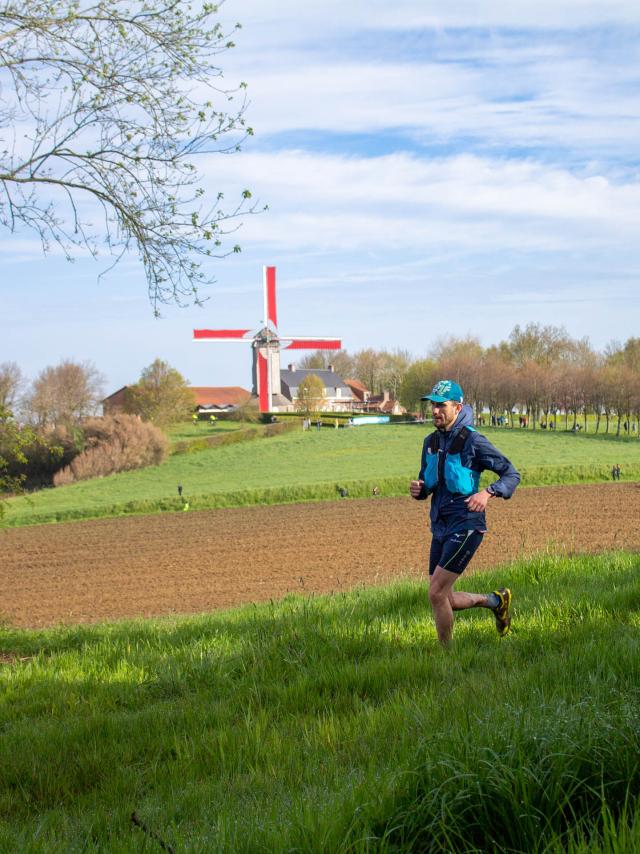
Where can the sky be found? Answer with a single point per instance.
(428, 170)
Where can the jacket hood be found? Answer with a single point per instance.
(464, 419)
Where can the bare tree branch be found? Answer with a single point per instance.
(111, 102)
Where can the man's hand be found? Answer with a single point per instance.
(415, 488)
(478, 502)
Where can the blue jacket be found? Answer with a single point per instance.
(449, 513)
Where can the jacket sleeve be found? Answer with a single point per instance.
(424, 493)
(486, 456)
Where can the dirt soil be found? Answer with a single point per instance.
(145, 566)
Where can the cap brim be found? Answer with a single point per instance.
(435, 398)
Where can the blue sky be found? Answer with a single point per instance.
(428, 170)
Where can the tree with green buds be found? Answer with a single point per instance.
(104, 109)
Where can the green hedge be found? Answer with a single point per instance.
(260, 431)
(550, 475)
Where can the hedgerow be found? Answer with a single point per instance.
(114, 443)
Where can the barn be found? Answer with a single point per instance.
(210, 400)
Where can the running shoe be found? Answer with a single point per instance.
(503, 619)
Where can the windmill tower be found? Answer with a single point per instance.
(266, 344)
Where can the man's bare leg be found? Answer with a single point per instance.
(444, 601)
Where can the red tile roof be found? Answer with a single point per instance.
(356, 384)
(232, 395)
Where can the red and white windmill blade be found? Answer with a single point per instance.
(267, 340)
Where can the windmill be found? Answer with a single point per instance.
(266, 344)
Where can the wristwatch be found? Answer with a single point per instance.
(491, 491)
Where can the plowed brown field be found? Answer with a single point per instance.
(192, 562)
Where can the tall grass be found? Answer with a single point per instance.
(335, 724)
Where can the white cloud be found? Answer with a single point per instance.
(491, 92)
(280, 19)
(400, 200)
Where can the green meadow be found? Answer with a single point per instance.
(299, 466)
(187, 430)
(335, 724)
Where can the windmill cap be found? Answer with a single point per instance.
(445, 390)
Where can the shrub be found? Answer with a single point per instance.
(248, 412)
(42, 453)
(112, 444)
(233, 437)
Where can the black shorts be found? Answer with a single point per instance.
(454, 552)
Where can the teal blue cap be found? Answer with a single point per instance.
(445, 390)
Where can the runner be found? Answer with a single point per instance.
(452, 459)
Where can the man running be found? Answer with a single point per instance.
(452, 459)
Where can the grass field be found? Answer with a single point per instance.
(335, 724)
(307, 466)
(187, 430)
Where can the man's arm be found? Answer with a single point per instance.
(416, 487)
(486, 456)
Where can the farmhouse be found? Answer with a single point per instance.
(367, 402)
(359, 391)
(384, 403)
(337, 395)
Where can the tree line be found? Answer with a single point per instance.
(539, 370)
(48, 434)
(63, 395)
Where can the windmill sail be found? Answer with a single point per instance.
(314, 344)
(270, 312)
(266, 345)
(219, 334)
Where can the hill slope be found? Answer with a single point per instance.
(309, 466)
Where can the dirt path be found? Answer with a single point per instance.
(191, 562)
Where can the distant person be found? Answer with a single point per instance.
(194, 417)
(212, 420)
(343, 491)
(318, 424)
(375, 490)
(453, 457)
(617, 472)
(179, 490)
